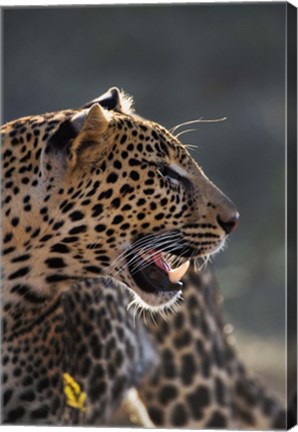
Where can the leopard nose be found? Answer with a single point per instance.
(230, 224)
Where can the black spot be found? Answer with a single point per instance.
(19, 273)
(25, 291)
(246, 416)
(93, 269)
(45, 238)
(206, 365)
(40, 413)
(71, 239)
(169, 370)
(112, 178)
(43, 384)
(35, 233)
(148, 191)
(27, 396)
(123, 139)
(178, 320)
(67, 207)
(94, 189)
(6, 396)
(117, 220)
(200, 398)
(179, 415)
(105, 195)
(96, 347)
(216, 421)
(219, 391)
(167, 393)
(219, 356)
(21, 258)
(126, 207)
(182, 340)
(97, 210)
(97, 390)
(17, 372)
(56, 278)
(55, 262)
(117, 164)
(188, 368)
(154, 135)
(60, 248)
(76, 215)
(8, 250)
(134, 162)
(125, 189)
(15, 414)
(7, 237)
(116, 202)
(86, 202)
(100, 228)
(134, 175)
(15, 221)
(27, 381)
(78, 230)
(58, 225)
(156, 415)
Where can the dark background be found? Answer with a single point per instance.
(181, 62)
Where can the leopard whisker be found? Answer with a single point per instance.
(200, 120)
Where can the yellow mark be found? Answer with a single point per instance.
(75, 398)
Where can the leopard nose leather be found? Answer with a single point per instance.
(230, 224)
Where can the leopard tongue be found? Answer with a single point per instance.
(178, 273)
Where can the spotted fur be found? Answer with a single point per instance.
(200, 382)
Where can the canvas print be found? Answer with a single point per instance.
(149, 216)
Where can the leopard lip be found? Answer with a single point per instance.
(154, 277)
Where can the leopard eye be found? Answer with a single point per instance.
(170, 174)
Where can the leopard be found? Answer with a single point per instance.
(92, 193)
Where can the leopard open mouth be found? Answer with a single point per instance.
(157, 271)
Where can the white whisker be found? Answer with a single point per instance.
(200, 120)
(184, 132)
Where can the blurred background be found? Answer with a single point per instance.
(182, 62)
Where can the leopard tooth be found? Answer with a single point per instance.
(178, 273)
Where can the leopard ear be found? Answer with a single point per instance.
(111, 100)
(91, 126)
(91, 120)
(114, 100)
(75, 136)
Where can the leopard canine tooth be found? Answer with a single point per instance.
(178, 273)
